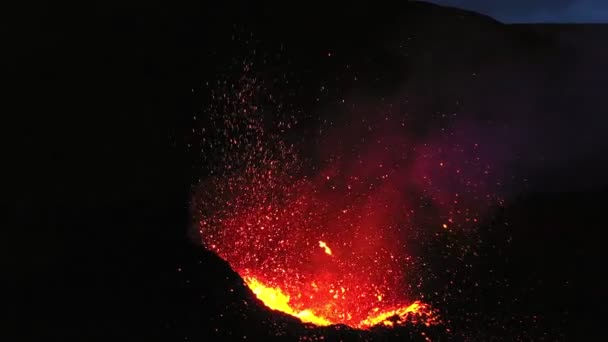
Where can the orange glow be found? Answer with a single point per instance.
(276, 299)
(325, 247)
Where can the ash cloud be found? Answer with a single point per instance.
(536, 111)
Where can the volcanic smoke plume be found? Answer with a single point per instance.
(328, 238)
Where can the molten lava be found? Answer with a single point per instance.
(275, 299)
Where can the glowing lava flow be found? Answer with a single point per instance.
(275, 299)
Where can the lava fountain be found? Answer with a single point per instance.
(327, 243)
(314, 249)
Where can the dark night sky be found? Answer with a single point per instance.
(526, 11)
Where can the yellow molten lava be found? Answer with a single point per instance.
(276, 299)
(399, 314)
(325, 247)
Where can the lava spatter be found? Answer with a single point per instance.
(329, 246)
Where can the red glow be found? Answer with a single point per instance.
(327, 250)
(277, 238)
(332, 246)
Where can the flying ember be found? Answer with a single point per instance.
(325, 247)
